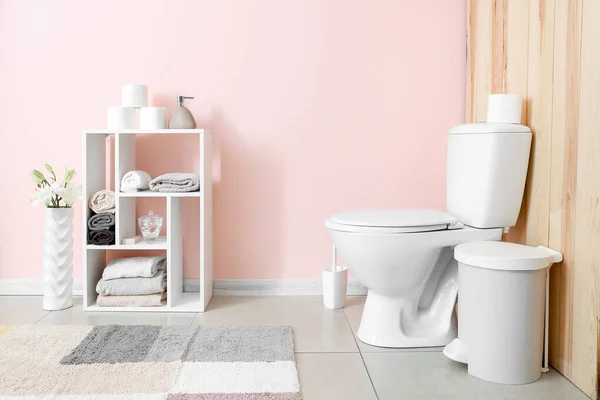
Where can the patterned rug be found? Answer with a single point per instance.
(117, 362)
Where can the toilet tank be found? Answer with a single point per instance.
(486, 172)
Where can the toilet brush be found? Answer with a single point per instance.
(335, 282)
(334, 262)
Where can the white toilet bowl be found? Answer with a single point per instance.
(405, 259)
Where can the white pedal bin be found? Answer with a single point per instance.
(502, 310)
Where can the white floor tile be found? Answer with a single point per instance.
(21, 310)
(330, 376)
(411, 375)
(316, 329)
(76, 316)
(354, 308)
(328, 363)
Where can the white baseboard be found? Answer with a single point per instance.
(270, 287)
(221, 287)
(31, 287)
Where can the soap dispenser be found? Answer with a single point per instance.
(181, 117)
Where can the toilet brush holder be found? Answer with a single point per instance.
(335, 284)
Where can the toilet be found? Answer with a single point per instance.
(404, 257)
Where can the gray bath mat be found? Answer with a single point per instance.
(149, 362)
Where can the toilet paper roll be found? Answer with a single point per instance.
(504, 108)
(134, 96)
(153, 118)
(120, 117)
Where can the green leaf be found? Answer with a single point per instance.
(69, 175)
(37, 176)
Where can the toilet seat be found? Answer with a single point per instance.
(392, 221)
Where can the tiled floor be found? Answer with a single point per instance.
(332, 363)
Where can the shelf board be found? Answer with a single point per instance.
(188, 302)
(96, 307)
(161, 244)
(146, 131)
(149, 193)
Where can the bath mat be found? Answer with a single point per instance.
(114, 362)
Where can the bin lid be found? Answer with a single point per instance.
(506, 256)
(489, 127)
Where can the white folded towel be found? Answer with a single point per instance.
(147, 300)
(133, 286)
(134, 181)
(133, 267)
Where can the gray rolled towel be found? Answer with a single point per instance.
(176, 182)
(101, 238)
(101, 222)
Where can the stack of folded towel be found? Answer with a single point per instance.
(133, 282)
(101, 225)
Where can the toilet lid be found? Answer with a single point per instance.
(506, 256)
(391, 221)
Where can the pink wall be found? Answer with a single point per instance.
(317, 106)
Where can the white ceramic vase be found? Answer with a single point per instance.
(58, 258)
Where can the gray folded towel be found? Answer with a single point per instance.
(101, 222)
(133, 286)
(101, 238)
(176, 182)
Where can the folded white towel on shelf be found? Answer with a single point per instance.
(134, 181)
(102, 201)
(133, 267)
(133, 286)
(148, 300)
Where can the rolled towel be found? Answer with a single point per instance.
(134, 267)
(101, 222)
(101, 238)
(133, 286)
(176, 182)
(148, 300)
(134, 181)
(103, 201)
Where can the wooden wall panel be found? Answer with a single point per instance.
(540, 69)
(545, 50)
(565, 117)
(586, 277)
(479, 58)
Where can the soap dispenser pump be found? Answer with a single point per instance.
(181, 117)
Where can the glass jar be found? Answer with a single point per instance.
(150, 226)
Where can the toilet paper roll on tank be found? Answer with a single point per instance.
(504, 109)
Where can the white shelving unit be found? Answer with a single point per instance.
(95, 179)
